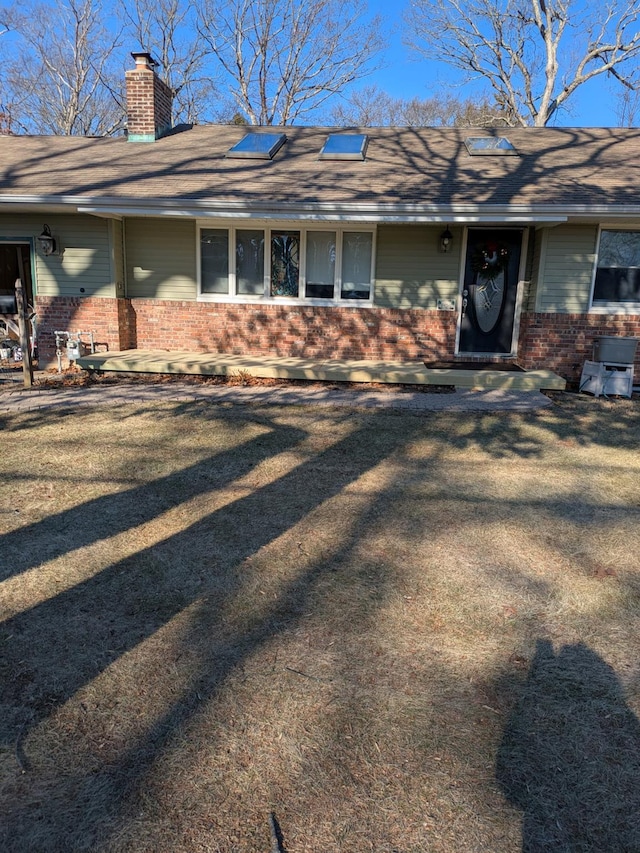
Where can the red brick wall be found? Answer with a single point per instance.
(313, 331)
(563, 342)
(559, 342)
(80, 314)
(316, 332)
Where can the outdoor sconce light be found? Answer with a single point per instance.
(446, 239)
(46, 242)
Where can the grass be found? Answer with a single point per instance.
(396, 633)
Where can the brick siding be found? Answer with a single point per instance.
(306, 331)
(559, 342)
(314, 332)
(105, 317)
(563, 342)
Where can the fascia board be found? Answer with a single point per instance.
(329, 215)
(348, 212)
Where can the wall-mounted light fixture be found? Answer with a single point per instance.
(446, 239)
(46, 242)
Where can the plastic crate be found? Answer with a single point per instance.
(615, 350)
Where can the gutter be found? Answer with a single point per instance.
(383, 212)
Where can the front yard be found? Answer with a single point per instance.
(396, 633)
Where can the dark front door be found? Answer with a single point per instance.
(489, 293)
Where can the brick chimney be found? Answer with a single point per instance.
(148, 101)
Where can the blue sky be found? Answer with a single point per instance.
(406, 76)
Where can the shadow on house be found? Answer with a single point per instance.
(570, 756)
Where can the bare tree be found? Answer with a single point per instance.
(167, 30)
(5, 108)
(533, 53)
(371, 107)
(60, 81)
(286, 58)
(628, 107)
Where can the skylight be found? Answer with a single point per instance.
(344, 146)
(499, 145)
(258, 146)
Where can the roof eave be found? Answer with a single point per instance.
(372, 212)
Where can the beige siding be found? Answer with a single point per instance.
(566, 269)
(117, 255)
(161, 258)
(83, 267)
(537, 238)
(410, 271)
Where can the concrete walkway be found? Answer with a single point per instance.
(14, 398)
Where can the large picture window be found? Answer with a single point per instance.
(617, 279)
(332, 265)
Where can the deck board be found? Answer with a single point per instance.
(330, 370)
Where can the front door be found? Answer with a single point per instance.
(15, 262)
(490, 290)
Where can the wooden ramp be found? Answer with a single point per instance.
(332, 370)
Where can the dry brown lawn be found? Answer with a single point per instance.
(396, 633)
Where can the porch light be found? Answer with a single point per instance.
(46, 242)
(446, 239)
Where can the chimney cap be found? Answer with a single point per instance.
(144, 59)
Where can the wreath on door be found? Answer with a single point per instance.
(489, 260)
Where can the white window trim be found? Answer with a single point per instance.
(630, 308)
(265, 298)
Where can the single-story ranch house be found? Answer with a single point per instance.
(386, 243)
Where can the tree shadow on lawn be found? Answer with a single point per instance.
(62, 644)
(570, 756)
(110, 514)
(499, 435)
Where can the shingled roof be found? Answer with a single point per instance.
(408, 174)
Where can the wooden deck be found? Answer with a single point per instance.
(396, 372)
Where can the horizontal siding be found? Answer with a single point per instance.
(117, 256)
(410, 271)
(82, 268)
(161, 258)
(537, 238)
(565, 280)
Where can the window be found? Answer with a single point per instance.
(321, 264)
(356, 265)
(344, 146)
(249, 262)
(617, 276)
(332, 264)
(489, 145)
(258, 146)
(214, 253)
(285, 263)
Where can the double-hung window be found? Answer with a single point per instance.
(617, 274)
(302, 264)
